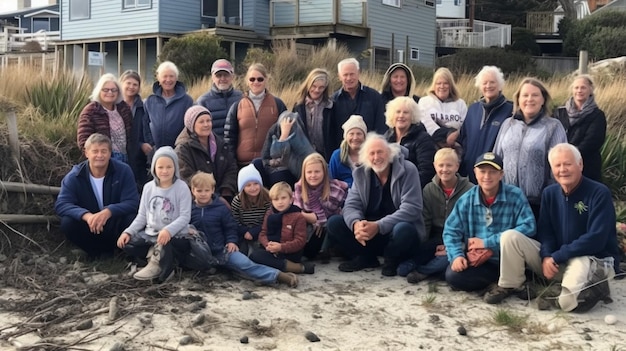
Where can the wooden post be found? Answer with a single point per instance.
(13, 137)
(583, 62)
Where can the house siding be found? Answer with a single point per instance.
(108, 19)
(414, 21)
(179, 16)
(257, 16)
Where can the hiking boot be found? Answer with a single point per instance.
(309, 267)
(289, 279)
(497, 294)
(152, 269)
(390, 268)
(592, 295)
(358, 263)
(545, 303)
(415, 277)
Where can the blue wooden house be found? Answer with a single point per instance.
(131, 33)
(39, 24)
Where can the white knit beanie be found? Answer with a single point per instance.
(248, 174)
(355, 121)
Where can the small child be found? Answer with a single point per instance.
(320, 198)
(283, 234)
(249, 206)
(213, 218)
(164, 213)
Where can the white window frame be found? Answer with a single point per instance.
(136, 4)
(394, 3)
(415, 54)
(75, 17)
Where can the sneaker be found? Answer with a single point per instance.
(415, 277)
(309, 267)
(497, 294)
(358, 263)
(390, 268)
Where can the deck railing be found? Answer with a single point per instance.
(14, 39)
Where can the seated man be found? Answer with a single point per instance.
(382, 214)
(577, 241)
(484, 214)
(98, 199)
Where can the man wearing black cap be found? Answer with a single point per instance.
(222, 94)
(480, 217)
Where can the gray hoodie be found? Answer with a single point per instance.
(163, 208)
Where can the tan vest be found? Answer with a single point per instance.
(254, 126)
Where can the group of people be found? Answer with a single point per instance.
(477, 196)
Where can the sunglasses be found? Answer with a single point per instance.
(254, 79)
(110, 90)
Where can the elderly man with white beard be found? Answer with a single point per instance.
(382, 215)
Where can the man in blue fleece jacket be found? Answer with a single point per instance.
(577, 241)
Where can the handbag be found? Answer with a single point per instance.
(478, 256)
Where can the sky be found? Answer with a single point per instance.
(11, 5)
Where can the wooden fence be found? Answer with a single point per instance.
(42, 61)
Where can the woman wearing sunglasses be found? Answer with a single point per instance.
(107, 114)
(249, 120)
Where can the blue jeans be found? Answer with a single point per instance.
(242, 264)
(398, 245)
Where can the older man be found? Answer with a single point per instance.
(382, 214)
(98, 199)
(354, 98)
(479, 220)
(222, 94)
(577, 241)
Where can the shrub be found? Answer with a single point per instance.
(523, 40)
(63, 95)
(193, 54)
(614, 164)
(471, 61)
(600, 34)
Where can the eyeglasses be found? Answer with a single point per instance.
(110, 90)
(259, 79)
(488, 217)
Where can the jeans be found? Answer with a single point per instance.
(95, 244)
(242, 264)
(261, 256)
(399, 245)
(473, 278)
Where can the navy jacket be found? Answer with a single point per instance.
(217, 224)
(77, 197)
(164, 121)
(367, 103)
(421, 148)
(218, 103)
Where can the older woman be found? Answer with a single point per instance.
(398, 81)
(165, 108)
(131, 86)
(200, 149)
(403, 119)
(524, 140)
(484, 118)
(585, 125)
(315, 107)
(444, 110)
(346, 158)
(107, 114)
(284, 150)
(249, 120)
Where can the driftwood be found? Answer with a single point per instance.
(29, 188)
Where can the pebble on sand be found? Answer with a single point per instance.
(311, 336)
(610, 319)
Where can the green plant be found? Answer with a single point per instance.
(509, 319)
(614, 164)
(600, 34)
(193, 54)
(61, 97)
(429, 300)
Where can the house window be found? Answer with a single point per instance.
(40, 23)
(382, 59)
(415, 54)
(134, 4)
(394, 3)
(430, 3)
(79, 9)
(231, 8)
(209, 8)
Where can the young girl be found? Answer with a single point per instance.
(319, 197)
(212, 217)
(249, 206)
(164, 213)
(283, 234)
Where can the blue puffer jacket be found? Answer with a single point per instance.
(218, 102)
(164, 121)
(217, 224)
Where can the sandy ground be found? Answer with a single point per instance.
(347, 311)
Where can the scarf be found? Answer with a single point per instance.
(314, 120)
(257, 99)
(275, 222)
(574, 114)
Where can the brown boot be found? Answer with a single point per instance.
(289, 279)
(294, 267)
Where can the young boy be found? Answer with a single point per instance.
(213, 218)
(163, 215)
(283, 234)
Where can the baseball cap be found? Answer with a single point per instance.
(222, 65)
(491, 159)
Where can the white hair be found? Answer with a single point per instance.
(493, 70)
(347, 61)
(565, 147)
(167, 65)
(394, 149)
(107, 77)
